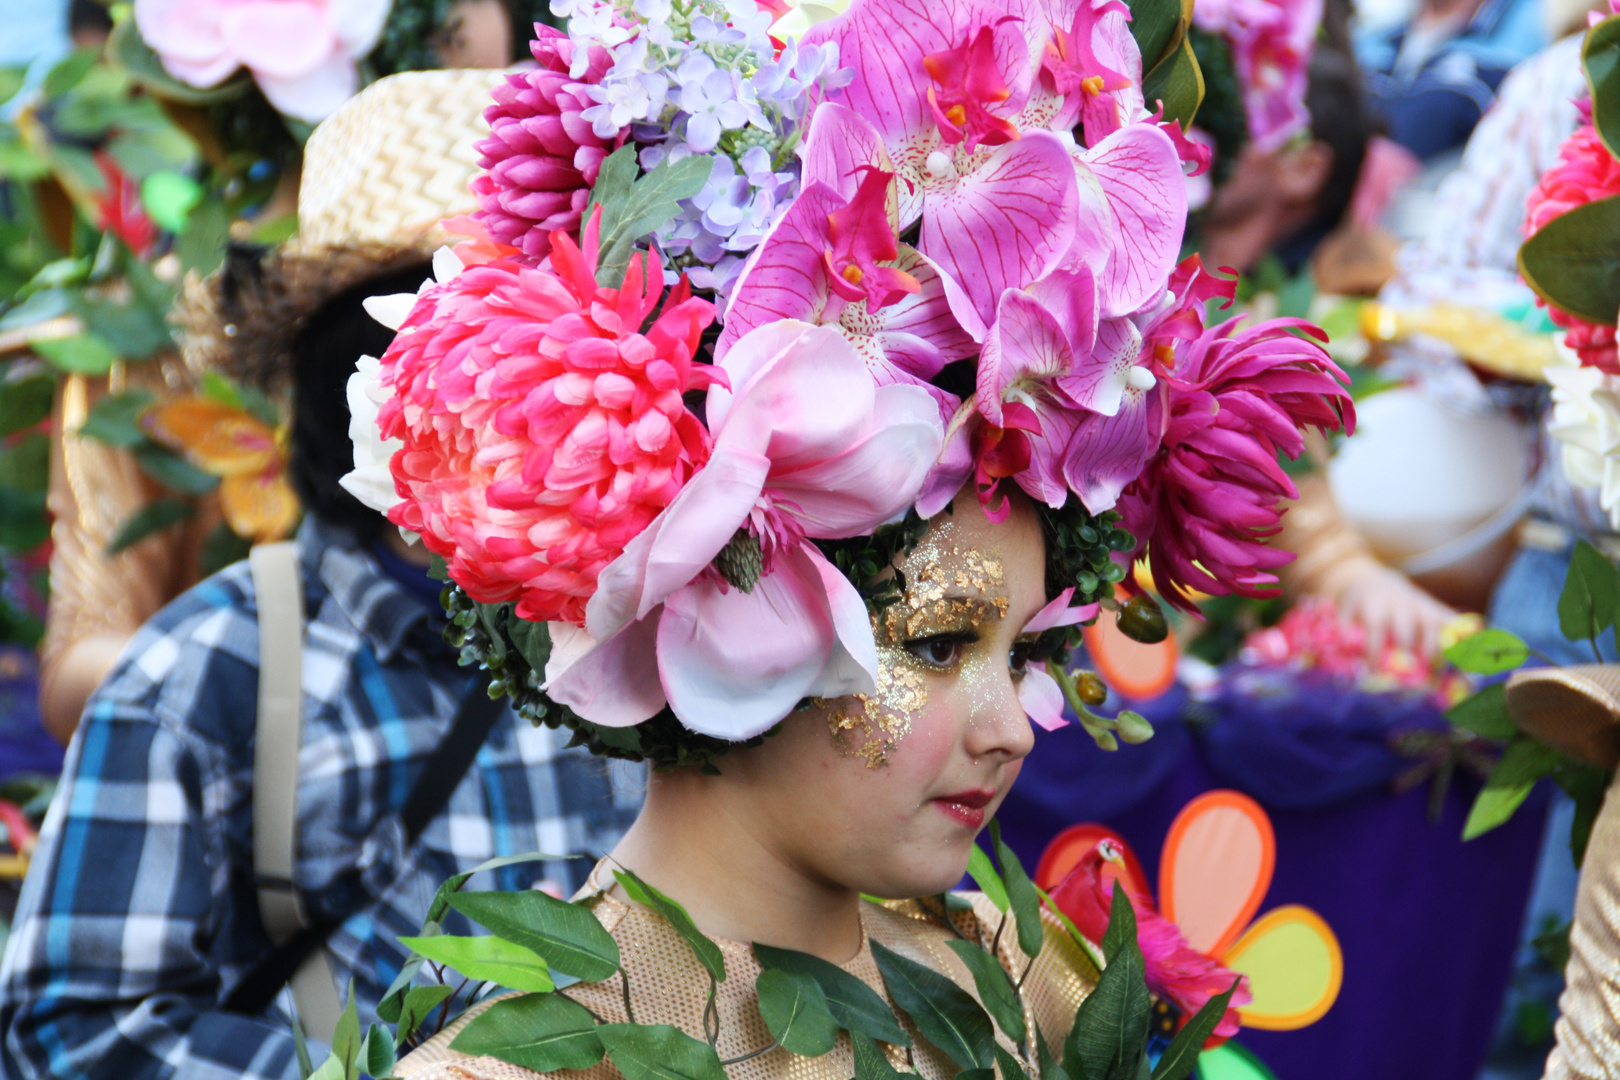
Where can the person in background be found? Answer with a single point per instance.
(139, 925)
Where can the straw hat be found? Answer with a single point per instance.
(1575, 710)
(379, 176)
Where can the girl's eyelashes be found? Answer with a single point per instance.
(940, 650)
(1023, 654)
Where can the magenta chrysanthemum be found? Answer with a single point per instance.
(542, 430)
(1204, 506)
(541, 157)
(1585, 172)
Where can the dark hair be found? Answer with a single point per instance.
(324, 355)
(1341, 119)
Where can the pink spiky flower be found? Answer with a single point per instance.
(542, 429)
(1585, 172)
(541, 157)
(1206, 503)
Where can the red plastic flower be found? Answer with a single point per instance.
(541, 157)
(542, 429)
(1585, 172)
(1204, 506)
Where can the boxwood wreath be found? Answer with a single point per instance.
(1080, 550)
(542, 945)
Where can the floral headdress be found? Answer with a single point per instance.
(936, 245)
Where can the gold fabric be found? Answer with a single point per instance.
(1589, 1028)
(668, 986)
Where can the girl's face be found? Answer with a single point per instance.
(885, 793)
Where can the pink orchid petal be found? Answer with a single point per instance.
(1006, 223)
(1100, 385)
(609, 682)
(358, 24)
(183, 30)
(919, 335)
(201, 74)
(1070, 294)
(1042, 698)
(876, 477)
(680, 542)
(735, 663)
(852, 666)
(1141, 174)
(1059, 613)
(1026, 344)
(284, 39)
(786, 278)
(1108, 452)
(1095, 232)
(841, 144)
(315, 96)
(948, 475)
(1043, 479)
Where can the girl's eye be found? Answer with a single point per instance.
(1021, 656)
(940, 652)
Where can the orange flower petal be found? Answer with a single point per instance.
(216, 438)
(260, 506)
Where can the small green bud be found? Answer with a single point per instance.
(1105, 740)
(1133, 728)
(1142, 620)
(1091, 689)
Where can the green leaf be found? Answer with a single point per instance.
(995, 988)
(68, 72)
(220, 548)
(795, 1011)
(1050, 1069)
(1009, 1066)
(393, 998)
(82, 355)
(1484, 713)
(130, 54)
(154, 517)
(39, 306)
(160, 149)
(25, 465)
(1586, 785)
(543, 1032)
(136, 330)
(1157, 26)
(1573, 261)
(1178, 83)
(116, 419)
(11, 81)
(173, 471)
(984, 875)
(1181, 1056)
(202, 246)
(346, 1038)
(1591, 594)
(1109, 1038)
(488, 958)
(533, 640)
(944, 1013)
(632, 208)
(1523, 763)
(659, 1052)
(1489, 652)
(24, 524)
(1085, 945)
(567, 935)
(377, 1057)
(419, 1002)
(25, 402)
(1021, 894)
(871, 1063)
(169, 198)
(453, 884)
(856, 1006)
(708, 953)
(1600, 56)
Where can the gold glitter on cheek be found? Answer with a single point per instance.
(871, 725)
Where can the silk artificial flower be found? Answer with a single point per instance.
(1272, 42)
(304, 54)
(1586, 423)
(1585, 172)
(1039, 693)
(1205, 505)
(542, 428)
(806, 446)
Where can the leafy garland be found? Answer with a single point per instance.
(536, 941)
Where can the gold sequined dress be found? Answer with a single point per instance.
(669, 986)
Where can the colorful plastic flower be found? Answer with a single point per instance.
(304, 54)
(1585, 172)
(247, 454)
(542, 154)
(1271, 43)
(542, 429)
(806, 446)
(1205, 504)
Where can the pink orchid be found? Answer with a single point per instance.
(859, 263)
(1039, 693)
(806, 446)
(968, 82)
(1271, 41)
(304, 54)
(1106, 89)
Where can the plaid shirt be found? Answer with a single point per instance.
(139, 914)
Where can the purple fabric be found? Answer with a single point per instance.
(24, 745)
(1428, 924)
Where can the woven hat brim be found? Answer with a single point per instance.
(1575, 710)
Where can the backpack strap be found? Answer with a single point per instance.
(277, 738)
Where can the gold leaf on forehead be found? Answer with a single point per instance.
(261, 506)
(217, 438)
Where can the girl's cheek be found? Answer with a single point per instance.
(872, 726)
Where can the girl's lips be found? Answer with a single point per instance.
(966, 807)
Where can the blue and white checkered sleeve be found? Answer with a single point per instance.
(118, 951)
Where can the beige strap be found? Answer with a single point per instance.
(278, 734)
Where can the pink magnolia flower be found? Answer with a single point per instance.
(304, 54)
(1271, 41)
(1585, 172)
(542, 157)
(1205, 504)
(806, 446)
(542, 429)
